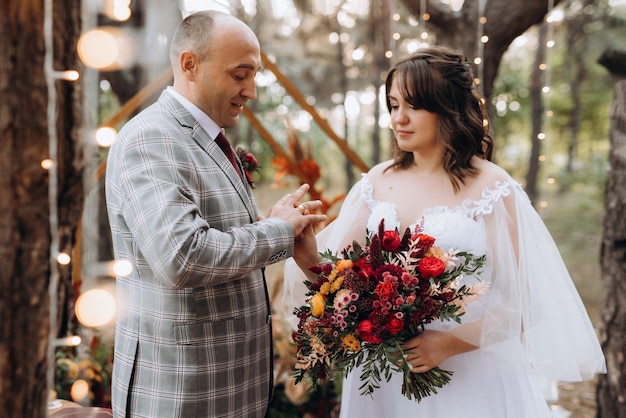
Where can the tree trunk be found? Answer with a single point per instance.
(25, 227)
(611, 391)
(536, 84)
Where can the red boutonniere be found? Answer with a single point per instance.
(249, 163)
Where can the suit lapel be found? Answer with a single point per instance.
(208, 145)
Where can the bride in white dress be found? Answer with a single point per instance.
(530, 325)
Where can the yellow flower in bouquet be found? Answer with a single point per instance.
(318, 304)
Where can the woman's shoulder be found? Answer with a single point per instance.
(492, 184)
(379, 169)
(491, 175)
(375, 174)
(366, 185)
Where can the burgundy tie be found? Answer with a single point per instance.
(222, 141)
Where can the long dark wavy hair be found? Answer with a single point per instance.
(439, 80)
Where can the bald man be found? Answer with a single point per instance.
(193, 333)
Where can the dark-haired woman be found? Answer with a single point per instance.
(530, 327)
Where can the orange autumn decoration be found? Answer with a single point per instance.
(302, 165)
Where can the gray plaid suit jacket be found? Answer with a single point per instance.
(193, 333)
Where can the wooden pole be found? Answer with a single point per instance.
(295, 93)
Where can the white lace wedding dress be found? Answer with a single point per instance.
(530, 325)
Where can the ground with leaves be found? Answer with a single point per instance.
(578, 398)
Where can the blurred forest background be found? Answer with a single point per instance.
(334, 53)
(319, 117)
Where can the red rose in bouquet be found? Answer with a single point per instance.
(391, 241)
(366, 332)
(371, 299)
(395, 325)
(430, 267)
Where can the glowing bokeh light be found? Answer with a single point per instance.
(118, 10)
(106, 136)
(64, 259)
(80, 390)
(95, 308)
(47, 164)
(122, 268)
(105, 48)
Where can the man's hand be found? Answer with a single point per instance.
(299, 215)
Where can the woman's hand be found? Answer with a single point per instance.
(305, 251)
(431, 348)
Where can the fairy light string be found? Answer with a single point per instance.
(547, 89)
(50, 164)
(481, 40)
(52, 185)
(424, 16)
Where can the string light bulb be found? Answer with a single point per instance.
(105, 48)
(106, 136)
(118, 10)
(47, 163)
(64, 259)
(69, 75)
(122, 268)
(79, 390)
(71, 341)
(95, 308)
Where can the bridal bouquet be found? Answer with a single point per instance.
(369, 300)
